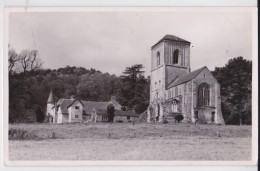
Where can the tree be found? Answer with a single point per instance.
(110, 112)
(179, 118)
(235, 79)
(22, 69)
(39, 115)
(134, 88)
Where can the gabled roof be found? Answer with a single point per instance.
(50, 99)
(171, 38)
(185, 78)
(89, 105)
(75, 101)
(63, 104)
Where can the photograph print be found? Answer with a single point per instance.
(108, 85)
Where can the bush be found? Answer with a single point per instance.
(179, 118)
(165, 121)
(119, 121)
(141, 107)
(19, 134)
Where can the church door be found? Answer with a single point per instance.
(196, 115)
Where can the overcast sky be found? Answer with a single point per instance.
(111, 41)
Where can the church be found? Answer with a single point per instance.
(176, 90)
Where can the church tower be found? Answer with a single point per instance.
(50, 111)
(170, 59)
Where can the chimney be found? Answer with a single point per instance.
(72, 97)
(113, 98)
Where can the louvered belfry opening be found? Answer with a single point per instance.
(176, 56)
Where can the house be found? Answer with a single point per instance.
(74, 110)
(175, 89)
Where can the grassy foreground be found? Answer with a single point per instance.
(125, 141)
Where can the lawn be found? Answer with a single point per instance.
(125, 141)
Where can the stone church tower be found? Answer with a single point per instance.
(175, 90)
(170, 59)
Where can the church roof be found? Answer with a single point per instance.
(185, 78)
(50, 99)
(172, 38)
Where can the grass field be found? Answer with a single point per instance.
(124, 141)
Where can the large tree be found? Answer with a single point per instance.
(235, 79)
(135, 88)
(23, 70)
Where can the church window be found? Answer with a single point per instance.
(169, 94)
(203, 95)
(76, 116)
(158, 58)
(175, 56)
(76, 107)
(174, 106)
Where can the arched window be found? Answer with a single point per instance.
(203, 95)
(175, 106)
(175, 56)
(158, 58)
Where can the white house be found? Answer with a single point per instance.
(74, 110)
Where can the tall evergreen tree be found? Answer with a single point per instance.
(134, 88)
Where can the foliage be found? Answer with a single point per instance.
(39, 115)
(179, 118)
(235, 79)
(134, 92)
(110, 109)
(23, 69)
(141, 107)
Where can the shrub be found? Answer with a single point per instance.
(19, 134)
(179, 118)
(165, 121)
(119, 121)
(141, 107)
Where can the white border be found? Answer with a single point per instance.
(253, 10)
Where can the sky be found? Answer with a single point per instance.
(112, 41)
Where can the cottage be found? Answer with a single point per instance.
(74, 110)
